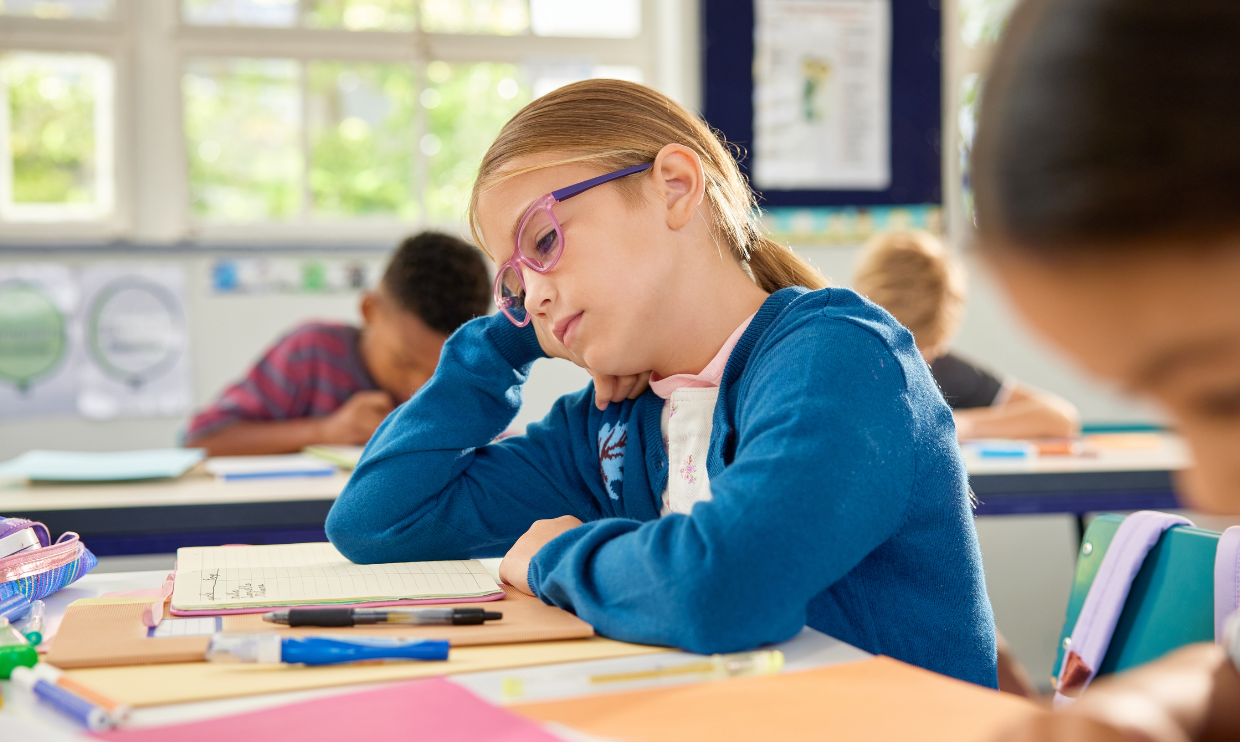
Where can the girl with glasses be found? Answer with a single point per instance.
(793, 462)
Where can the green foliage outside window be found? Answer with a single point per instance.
(242, 133)
(51, 130)
(361, 128)
(471, 103)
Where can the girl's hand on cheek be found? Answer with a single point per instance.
(516, 565)
(607, 388)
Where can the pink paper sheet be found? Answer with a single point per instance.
(433, 709)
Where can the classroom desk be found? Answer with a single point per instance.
(194, 510)
(1110, 481)
(810, 649)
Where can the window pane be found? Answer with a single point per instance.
(361, 15)
(613, 19)
(966, 121)
(361, 139)
(982, 21)
(240, 12)
(503, 17)
(243, 138)
(548, 76)
(466, 104)
(87, 9)
(57, 149)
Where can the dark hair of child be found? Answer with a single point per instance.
(1108, 123)
(440, 279)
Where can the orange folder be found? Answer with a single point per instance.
(874, 699)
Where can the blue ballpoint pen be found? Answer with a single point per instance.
(321, 650)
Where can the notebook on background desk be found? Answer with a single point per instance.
(213, 580)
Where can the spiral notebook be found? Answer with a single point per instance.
(220, 579)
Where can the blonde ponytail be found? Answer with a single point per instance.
(613, 124)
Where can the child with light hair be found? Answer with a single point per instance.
(912, 275)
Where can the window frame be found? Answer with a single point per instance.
(960, 61)
(108, 39)
(150, 45)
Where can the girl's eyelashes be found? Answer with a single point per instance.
(546, 244)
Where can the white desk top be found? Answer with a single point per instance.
(190, 489)
(200, 489)
(23, 719)
(1171, 455)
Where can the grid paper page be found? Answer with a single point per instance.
(234, 576)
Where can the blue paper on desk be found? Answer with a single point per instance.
(116, 466)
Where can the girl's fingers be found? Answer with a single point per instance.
(608, 389)
(603, 388)
(624, 384)
(640, 387)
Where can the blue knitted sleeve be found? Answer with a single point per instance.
(432, 484)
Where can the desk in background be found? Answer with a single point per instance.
(194, 510)
(1109, 481)
(197, 510)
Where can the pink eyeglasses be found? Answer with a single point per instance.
(540, 242)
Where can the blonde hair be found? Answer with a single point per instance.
(912, 275)
(613, 124)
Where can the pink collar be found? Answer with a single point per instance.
(709, 376)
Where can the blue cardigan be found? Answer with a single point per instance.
(840, 499)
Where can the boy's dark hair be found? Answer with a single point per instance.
(1105, 122)
(439, 278)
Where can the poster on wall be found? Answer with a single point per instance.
(40, 351)
(136, 338)
(822, 79)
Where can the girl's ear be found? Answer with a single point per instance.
(679, 183)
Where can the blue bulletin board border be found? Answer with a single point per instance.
(916, 100)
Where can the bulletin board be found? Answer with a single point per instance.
(914, 108)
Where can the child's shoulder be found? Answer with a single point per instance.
(334, 337)
(842, 314)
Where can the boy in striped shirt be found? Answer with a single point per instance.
(326, 383)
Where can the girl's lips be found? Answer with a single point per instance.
(568, 330)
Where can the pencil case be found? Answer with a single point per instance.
(30, 564)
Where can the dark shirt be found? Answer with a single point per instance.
(964, 384)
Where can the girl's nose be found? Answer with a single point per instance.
(539, 292)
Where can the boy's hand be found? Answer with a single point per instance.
(607, 388)
(516, 565)
(355, 422)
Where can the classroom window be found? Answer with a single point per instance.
(77, 9)
(334, 121)
(973, 27)
(55, 137)
(360, 119)
(580, 18)
(365, 151)
(243, 122)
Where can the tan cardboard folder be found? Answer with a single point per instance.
(152, 685)
(99, 634)
(875, 699)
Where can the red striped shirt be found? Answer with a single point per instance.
(311, 372)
